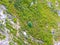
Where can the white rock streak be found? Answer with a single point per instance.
(49, 4)
(2, 16)
(58, 11)
(56, 42)
(31, 4)
(25, 34)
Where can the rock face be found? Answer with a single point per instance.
(4, 18)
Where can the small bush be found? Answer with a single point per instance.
(30, 24)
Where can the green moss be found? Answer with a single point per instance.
(11, 43)
(2, 36)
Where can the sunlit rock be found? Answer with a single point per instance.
(31, 4)
(5, 31)
(53, 31)
(24, 33)
(58, 11)
(2, 7)
(57, 43)
(56, 3)
(49, 4)
(2, 16)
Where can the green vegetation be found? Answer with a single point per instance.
(2, 36)
(30, 24)
(35, 17)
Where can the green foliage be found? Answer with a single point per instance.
(11, 29)
(11, 43)
(2, 36)
(37, 19)
(30, 24)
(40, 15)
